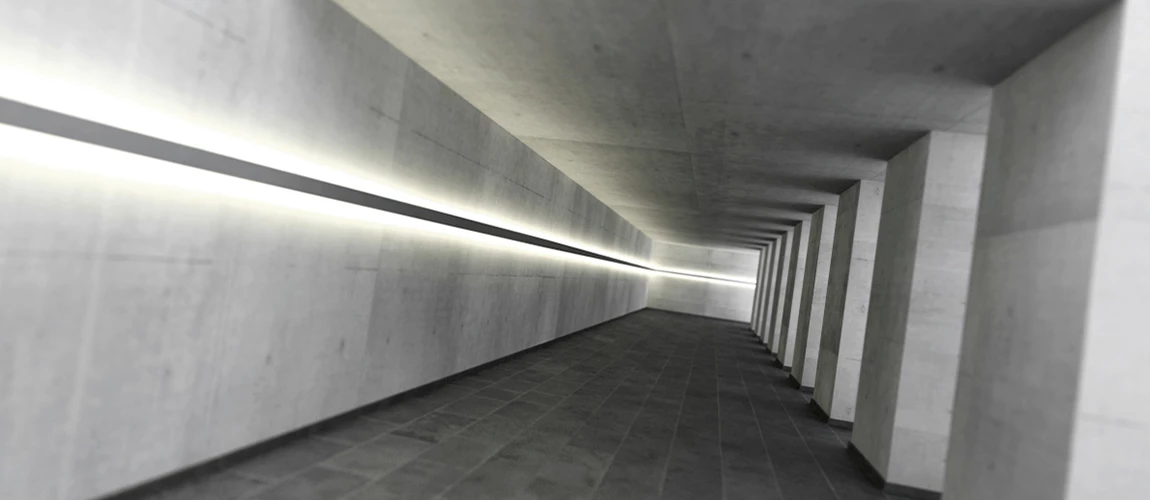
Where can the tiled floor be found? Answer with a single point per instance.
(656, 405)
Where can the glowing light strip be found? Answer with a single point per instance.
(83, 102)
(58, 140)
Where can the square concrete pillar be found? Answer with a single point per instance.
(848, 295)
(813, 304)
(796, 270)
(917, 304)
(782, 277)
(759, 283)
(1052, 400)
(768, 284)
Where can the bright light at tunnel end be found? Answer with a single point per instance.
(46, 150)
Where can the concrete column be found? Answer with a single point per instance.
(917, 303)
(781, 279)
(765, 305)
(760, 285)
(1052, 400)
(797, 269)
(848, 292)
(813, 304)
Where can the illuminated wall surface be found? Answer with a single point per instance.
(157, 315)
(703, 297)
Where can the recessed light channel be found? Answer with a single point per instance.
(50, 138)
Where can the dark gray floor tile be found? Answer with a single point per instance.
(655, 406)
(643, 452)
(497, 393)
(558, 423)
(613, 418)
(631, 482)
(522, 411)
(576, 468)
(534, 375)
(402, 411)
(532, 448)
(354, 431)
(312, 484)
(559, 387)
(220, 485)
(515, 385)
(460, 452)
(418, 480)
(472, 384)
(598, 439)
(545, 489)
(803, 479)
(289, 458)
(693, 474)
(553, 365)
(579, 407)
(493, 429)
(379, 456)
(496, 479)
(750, 486)
(473, 406)
(434, 427)
(442, 395)
(541, 398)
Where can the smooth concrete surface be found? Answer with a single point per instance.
(1051, 400)
(917, 304)
(760, 284)
(761, 327)
(715, 299)
(794, 295)
(655, 405)
(700, 121)
(778, 291)
(755, 293)
(809, 333)
(848, 295)
(147, 329)
(763, 286)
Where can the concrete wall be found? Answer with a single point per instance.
(704, 298)
(1050, 401)
(148, 329)
(848, 296)
(917, 303)
(810, 330)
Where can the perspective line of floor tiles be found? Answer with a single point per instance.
(656, 405)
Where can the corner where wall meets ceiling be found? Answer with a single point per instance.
(723, 123)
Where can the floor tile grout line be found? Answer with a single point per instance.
(581, 427)
(806, 444)
(375, 478)
(678, 420)
(762, 438)
(322, 463)
(448, 489)
(719, 424)
(599, 482)
(697, 358)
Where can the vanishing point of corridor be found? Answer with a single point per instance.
(653, 405)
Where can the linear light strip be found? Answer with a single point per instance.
(57, 124)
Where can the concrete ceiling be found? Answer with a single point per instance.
(721, 122)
